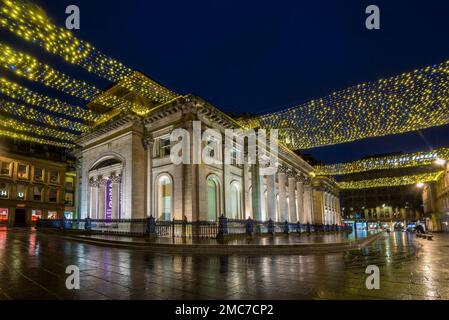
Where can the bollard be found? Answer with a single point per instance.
(286, 229)
(270, 227)
(222, 226)
(249, 227)
(151, 227)
(87, 224)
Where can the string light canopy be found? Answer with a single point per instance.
(30, 23)
(30, 68)
(33, 138)
(422, 158)
(390, 181)
(28, 113)
(408, 102)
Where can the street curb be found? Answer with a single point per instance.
(294, 249)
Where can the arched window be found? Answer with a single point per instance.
(164, 188)
(236, 201)
(213, 198)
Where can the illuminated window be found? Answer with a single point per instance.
(37, 193)
(4, 214)
(68, 214)
(36, 214)
(53, 195)
(236, 201)
(164, 197)
(52, 215)
(69, 182)
(22, 171)
(38, 174)
(68, 201)
(5, 169)
(4, 190)
(54, 176)
(21, 191)
(213, 198)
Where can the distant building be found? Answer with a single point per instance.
(435, 198)
(385, 204)
(32, 178)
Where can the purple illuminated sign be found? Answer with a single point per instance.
(108, 205)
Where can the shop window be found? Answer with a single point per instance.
(68, 214)
(52, 215)
(37, 193)
(54, 176)
(5, 168)
(53, 195)
(22, 171)
(21, 192)
(4, 190)
(4, 214)
(36, 214)
(38, 174)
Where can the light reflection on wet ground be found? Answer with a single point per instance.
(33, 266)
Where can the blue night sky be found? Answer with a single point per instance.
(263, 56)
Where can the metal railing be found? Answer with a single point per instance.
(186, 229)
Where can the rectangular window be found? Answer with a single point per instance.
(5, 168)
(68, 199)
(53, 195)
(68, 214)
(4, 214)
(38, 174)
(4, 190)
(37, 193)
(22, 171)
(54, 176)
(21, 192)
(69, 183)
(164, 147)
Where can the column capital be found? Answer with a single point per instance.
(283, 169)
(148, 142)
(94, 182)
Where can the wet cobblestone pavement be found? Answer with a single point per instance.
(32, 266)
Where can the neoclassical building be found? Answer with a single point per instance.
(125, 171)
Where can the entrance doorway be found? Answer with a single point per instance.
(20, 218)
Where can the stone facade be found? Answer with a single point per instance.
(133, 152)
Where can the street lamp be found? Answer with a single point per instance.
(420, 184)
(440, 162)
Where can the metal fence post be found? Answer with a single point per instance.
(222, 226)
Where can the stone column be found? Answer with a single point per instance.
(308, 202)
(271, 197)
(101, 199)
(292, 197)
(300, 198)
(283, 210)
(93, 198)
(256, 180)
(148, 144)
(115, 196)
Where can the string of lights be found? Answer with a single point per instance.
(390, 181)
(26, 66)
(422, 158)
(33, 114)
(15, 91)
(32, 24)
(32, 138)
(403, 103)
(36, 129)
